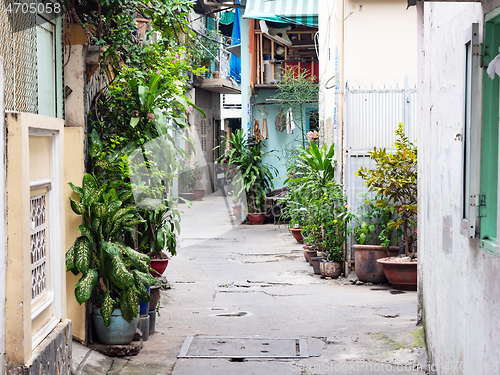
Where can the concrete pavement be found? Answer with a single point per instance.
(253, 282)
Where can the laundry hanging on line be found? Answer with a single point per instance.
(290, 125)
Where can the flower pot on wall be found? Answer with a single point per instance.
(257, 218)
(297, 234)
(367, 267)
(119, 332)
(402, 275)
(330, 269)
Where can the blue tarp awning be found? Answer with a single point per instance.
(299, 12)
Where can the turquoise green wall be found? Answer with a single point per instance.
(277, 140)
(489, 138)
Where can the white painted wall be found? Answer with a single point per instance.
(3, 219)
(459, 282)
(380, 41)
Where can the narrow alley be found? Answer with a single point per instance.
(251, 284)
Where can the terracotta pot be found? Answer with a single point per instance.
(297, 234)
(215, 74)
(198, 194)
(237, 211)
(306, 247)
(330, 269)
(402, 275)
(309, 254)
(257, 219)
(367, 268)
(158, 265)
(315, 261)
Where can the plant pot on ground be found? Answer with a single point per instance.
(330, 269)
(297, 234)
(237, 210)
(118, 332)
(373, 237)
(394, 180)
(251, 178)
(118, 273)
(315, 263)
(400, 273)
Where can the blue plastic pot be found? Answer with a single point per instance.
(144, 306)
(119, 332)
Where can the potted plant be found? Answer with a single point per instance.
(325, 204)
(394, 181)
(189, 177)
(372, 237)
(118, 273)
(251, 178)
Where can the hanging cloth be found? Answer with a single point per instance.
(280, 121)
(256, 131)
(494, 66)
(265, 133)
(290, 125)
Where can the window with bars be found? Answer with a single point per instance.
(38, 245)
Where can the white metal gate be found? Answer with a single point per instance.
(372, 116)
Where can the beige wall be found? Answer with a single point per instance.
(380, 42)
(18, 325)
(73, 172)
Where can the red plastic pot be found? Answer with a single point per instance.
(158, 265)
(257, 219)
(297, 234)
(402, 275)
(367, 268)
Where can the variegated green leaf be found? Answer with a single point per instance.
(82, 254)
(89, 186)
(111, 196)
(121, 276)
(87, 232)
(113, 206)
(132, 223)
(84, 287)
(107, 308)
(96, 195)
(95, 144)
(104, 164)
(76, 189)
(121, 212)
(95, 224)
(141, 288)
(129, 303)
(96, 260)
(100, 210)
(70, 258)
(126, 195)
(77, 207)
(146, 278)
(128, 263)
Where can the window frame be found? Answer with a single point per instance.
(471, 133)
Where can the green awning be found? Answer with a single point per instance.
(299, 12)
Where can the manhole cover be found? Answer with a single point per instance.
(243, 347)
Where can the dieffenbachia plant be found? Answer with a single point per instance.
(120, 273)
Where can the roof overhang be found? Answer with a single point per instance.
(414, 2)
(220, 85)
(299, 12)
(209, 7)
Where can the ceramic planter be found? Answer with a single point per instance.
(257, 219)
(402, 275)
(144, 306)
(330, 269)
(367, 267)
(187, 196)
(315, 262)
(158, 265)
(155, 297)
(198, 194)
(306, 247)
(297, 234)
(119, 332)
(310, 253)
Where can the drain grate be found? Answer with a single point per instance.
(242, 347)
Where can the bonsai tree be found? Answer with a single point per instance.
(394, 181)
(324, 201)
(119, 273)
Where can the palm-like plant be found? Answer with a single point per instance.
(119, 272)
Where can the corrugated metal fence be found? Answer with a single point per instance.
(372, 116)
